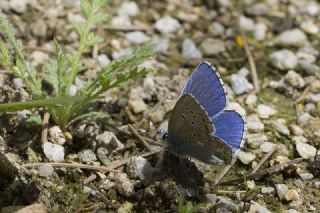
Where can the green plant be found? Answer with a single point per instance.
(188, 207)
(63, 69)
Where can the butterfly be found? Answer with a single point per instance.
(199, 125)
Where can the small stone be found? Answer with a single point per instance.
(245, 157)
(246, 23)
(306, 176)
(293, 37)
(212, 46)
(139, 167)
(158, 115)
(304, 118)
(260, 31)
(267, 190)
(312, 8)
(240, 84)
(284, 59)
(254, 123)
(56, 135)
(256, 208)
(149, 85)
(190, 50)
(102, 154)
(73, 90)
(75, 18)
(39, 57)
(297, 139)
(129, 8)
(87, 156)
(290, 211)
(294, 79)
(265, 111)
(255, 140)
(122, 53)
(137, 37)
(281, 190)
(292, 195)
(281, 127)
(267, 147)
(167, 25)
(138, 106)
(17, 83)
(18, 6)
(251, 100)
(109, 140)
(226, 203)
(296, 130)
(121, 20)
(250, 184)
(258, 9)
(211, 199)
(169, 105)
(217, 28)
(309, 27)
(53, 152)
(124, 185)
(161, 45)
(305, 150)
(103, 60)
(45, 170)
(126, 207)
(309, 67)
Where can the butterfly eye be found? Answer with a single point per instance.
(182, 116)
(192, 122)
(194, 117)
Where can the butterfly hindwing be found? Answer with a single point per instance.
(189, 132)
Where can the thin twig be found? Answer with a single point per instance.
(252, 64)
(103, 197)
(224, 192)
(127, 28)
(71, 165)
(140, 139)
(224, 171)
(89, 179)
(272, 170)
(45, 126)
(303, 95)
(6, 72)
(264, 159)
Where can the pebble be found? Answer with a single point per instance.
(158, 115)
(87, 156)
(309, 68)
(301, 138)
(281, 127)
(56, 136)
(46, 170)
(294, 79)
(284, 59)
(296, 130)
(190, 50)
(108, 140)
(292, 195)
(292, 37)
(258, 9)
(246, 23)
(267, 147)
(281, 190)
(240, 84)
(18, 6)
(139, 167)
(210, 46)
(138, 106)
(250, 184)
(226, 203)
(254, 123)
(126, 207)
(217, 29)
(304, 118)
(211, 199)
(103, 60)
(309, 27)
(121, 20)
(257, 139)
(256, 208)
(251, 100)
(161, 45)
(39, 57)
(17, 83)
(102, 154)
(122, 53)
(123, 185)
(306, 176)
(265, 111)
(149, 85)
(245, 157)
(311, 7)
(53, 152)
(129, 8)
(167, 25)
(267, 190)
(290, 211)
(260, 31)
(137, 37)
(305, 150)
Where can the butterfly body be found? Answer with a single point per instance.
(192, 130)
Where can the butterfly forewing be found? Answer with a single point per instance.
(189, 132)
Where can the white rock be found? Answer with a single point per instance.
(240, 84)
(122, 53)
(39, 57)
(290, 211)
(45, 170)
(76, 18)
(256, 208)
(87, 156)
(265, 111)
(161, 45)
(129, 9)
(312, 8)
(124, 185)
(245, 157)
(250, 184)
(306, 176)
(251, 100)
(167, 25)
(294, 37)
(149, 85)
(158, 115)
(217, 28)
(281, 190)
(137, 37)
(236, 107)
(210, 46)
(246, 23)
(304, 118)
(305, 150)
(53, 152)
(284, 59)
(292, 195)
(281, 127)
(56, 135)
(73, 91)
(309, 68)
(190, 50)
(109, 140)
(294, 79)
(267, 147)
(301, 138)
(260, 31)
(138, 106)
(296, 130)
(18, 6)
(17, 83)
(103, 60)
(315, 98)
(267, 190)
(309, 27)
(121, 20)
(139, 167)
(254, 123)
(256, 140)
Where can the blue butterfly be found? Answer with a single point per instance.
(199, 125)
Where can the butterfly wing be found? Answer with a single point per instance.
(229, 127)
(206, 86)
(189, 132)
